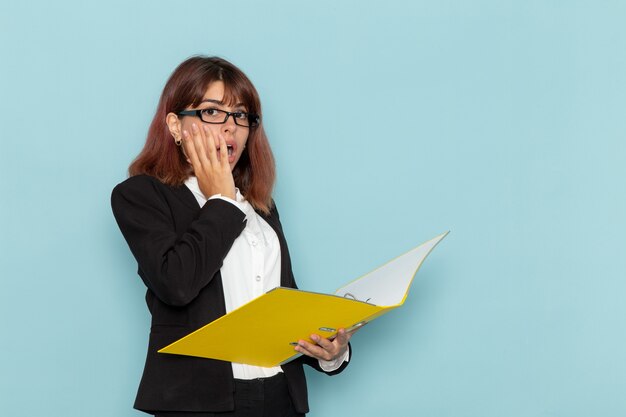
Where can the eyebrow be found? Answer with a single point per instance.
(210, 100)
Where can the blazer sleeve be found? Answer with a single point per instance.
(175, 265)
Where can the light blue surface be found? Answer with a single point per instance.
(391, 122)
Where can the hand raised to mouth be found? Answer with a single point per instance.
(210, 166)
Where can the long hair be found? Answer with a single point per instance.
(255, 171)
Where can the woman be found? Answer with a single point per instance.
(199, 218)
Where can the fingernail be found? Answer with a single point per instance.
(194, 127)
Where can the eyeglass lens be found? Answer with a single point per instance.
(221, 116)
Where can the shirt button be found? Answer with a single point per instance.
(258, 278)
(253, 243)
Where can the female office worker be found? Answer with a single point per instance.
(198, 215)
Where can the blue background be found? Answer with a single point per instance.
(502, 121)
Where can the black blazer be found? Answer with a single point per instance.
(179, 248)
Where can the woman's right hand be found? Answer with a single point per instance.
(213, 171)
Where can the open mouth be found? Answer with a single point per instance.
(230, 150)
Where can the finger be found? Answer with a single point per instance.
(190, 149)
(223, 153)
(198, 143)
(343, 337)
(323, 342)
(323, 348)
(210, 145)
(313, 351)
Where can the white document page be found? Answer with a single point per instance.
(388, 284)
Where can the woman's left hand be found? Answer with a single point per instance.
(324, 349)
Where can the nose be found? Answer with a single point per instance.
(229, 125)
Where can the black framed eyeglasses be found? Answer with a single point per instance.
(217, 116)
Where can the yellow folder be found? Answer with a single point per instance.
(263, 332)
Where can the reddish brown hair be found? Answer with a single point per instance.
(254, 173)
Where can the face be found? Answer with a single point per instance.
(234, 135)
